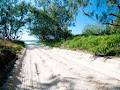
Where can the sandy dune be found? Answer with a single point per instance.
(59, 69)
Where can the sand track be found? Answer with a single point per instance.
(59, 69)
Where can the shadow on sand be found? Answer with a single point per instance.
(54, 85)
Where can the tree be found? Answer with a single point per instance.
(51, 19)
(12, 18)
(104, 11)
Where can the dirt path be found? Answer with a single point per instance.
(58, 69)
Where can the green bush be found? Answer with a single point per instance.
(99, 45)
(53, 43)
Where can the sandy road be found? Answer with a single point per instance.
(59, 69)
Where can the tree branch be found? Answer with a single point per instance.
(114, 15)
(111, 24)
(118, 6)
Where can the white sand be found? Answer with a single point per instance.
(59, 69)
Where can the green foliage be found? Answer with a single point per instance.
(104, 11)
(99, 45)
(21, 43)
(112, 30)
(52, 21)
(12, 18)
(53, 43)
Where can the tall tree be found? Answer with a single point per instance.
(51, 17)
(12, 18)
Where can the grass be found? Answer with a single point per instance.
(13, 46)
(104, 45)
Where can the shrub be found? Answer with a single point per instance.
(99, 45)
(14, 46)
(19, 42)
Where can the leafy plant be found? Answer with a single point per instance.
(99, 45)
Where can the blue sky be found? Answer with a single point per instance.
(80, 23)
